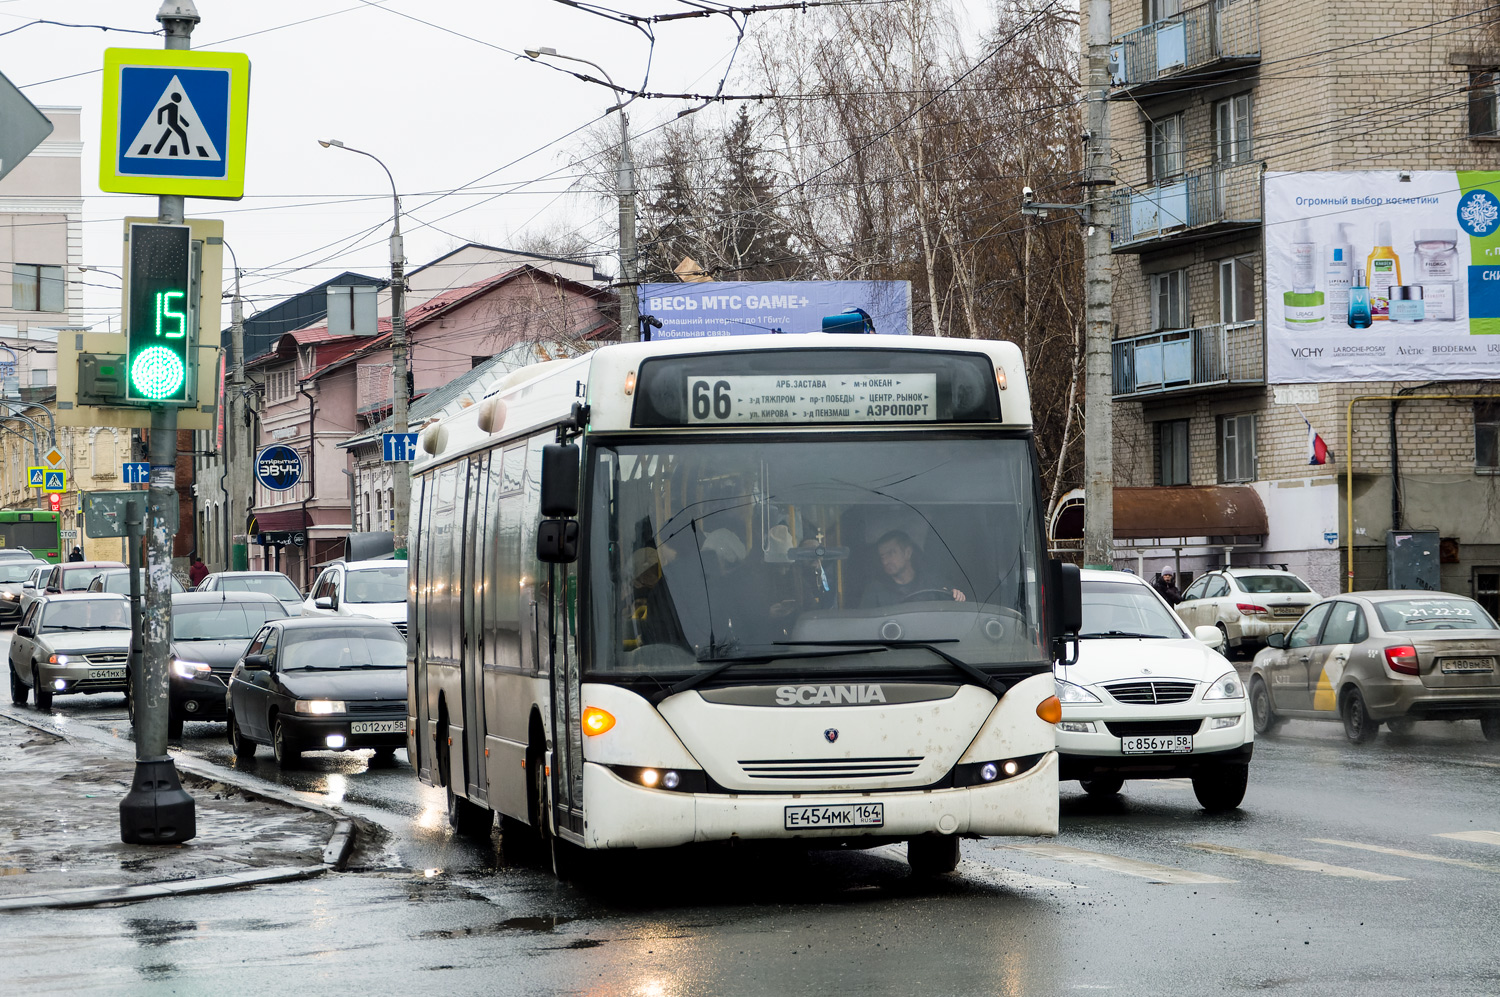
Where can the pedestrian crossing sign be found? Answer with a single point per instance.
(54, 481)
(174, 122)
(36, 477)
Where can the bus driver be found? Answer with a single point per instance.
(904, 580)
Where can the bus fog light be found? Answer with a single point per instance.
(989, 773)
(191, 706)
(670, 780)
(59, 685)
(650, 777)
(1011, 768)
(1219, 723)
(335, 740)
(1077, 726)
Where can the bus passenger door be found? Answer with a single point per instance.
(417, 739)
(567, 732)
(471, 660)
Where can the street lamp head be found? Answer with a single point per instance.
(327, 142)
(538, 52)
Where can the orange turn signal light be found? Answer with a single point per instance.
(597, 721)
(1049, 709)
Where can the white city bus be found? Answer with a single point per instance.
(771, 587)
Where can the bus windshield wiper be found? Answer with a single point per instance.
(975, 674)
(1120, 635)
(721, 665)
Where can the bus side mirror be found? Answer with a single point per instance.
(560, 481)
(557, 541)
(1067, 589)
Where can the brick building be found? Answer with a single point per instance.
(1205, 99)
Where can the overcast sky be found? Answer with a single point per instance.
(441, 110)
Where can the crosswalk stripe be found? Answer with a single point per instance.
(1483, 837)
(1403, 853)
(1115, 863)
(1305, 865)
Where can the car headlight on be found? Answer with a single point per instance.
(1226, 686)
(190, 669)
(320, 706)
(1070, 693)
(57, 659)
(9, 597)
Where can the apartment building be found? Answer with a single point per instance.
(1210, 103)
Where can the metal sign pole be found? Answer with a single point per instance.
(135, 532)
(157, 810)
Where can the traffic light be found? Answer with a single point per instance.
(158, 366)
(55, 501)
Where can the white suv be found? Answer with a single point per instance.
(1248, 605)
(360, 588)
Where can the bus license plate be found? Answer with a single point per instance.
(842, 815)
(106, 673)
(1174, 744)
(378, 727)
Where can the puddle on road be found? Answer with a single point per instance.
(545, 923)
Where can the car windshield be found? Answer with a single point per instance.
(706, 551)
(221, 620)
(86, 614)
(279, 586)
(1271, 584)
(1124, 609)
(376, 585)
(334, 648)
(1455, 613)
(16, 571)
(119, 581)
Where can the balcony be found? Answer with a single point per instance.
(1217, 200)
(1189, 359)
(1212, 37)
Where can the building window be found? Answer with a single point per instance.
(1487, 435)
(1160, 10)
(1237, 289)
(1484, 103)
(280, 384)
(1232, 130)
(1487, 590)
(1237, 448)
(1172, 452)
(36, 288)
(1169, 300)
(1166, 161)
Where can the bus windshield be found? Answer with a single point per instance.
(705, 551)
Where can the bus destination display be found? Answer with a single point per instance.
(783, 398)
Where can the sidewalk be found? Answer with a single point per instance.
(60, 825)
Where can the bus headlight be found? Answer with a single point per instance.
(676, 780)
(984, 773)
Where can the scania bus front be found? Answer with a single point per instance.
(817, 601)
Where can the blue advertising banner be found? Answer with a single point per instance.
(748, 308)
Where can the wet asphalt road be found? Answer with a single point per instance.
(1370, 870)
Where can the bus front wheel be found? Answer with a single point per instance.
(932, 854)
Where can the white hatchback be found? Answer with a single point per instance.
(360, 588)
(1147, 700)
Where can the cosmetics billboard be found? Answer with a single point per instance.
(693, 310)
(1372, 277)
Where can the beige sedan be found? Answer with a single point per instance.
(1391, 657)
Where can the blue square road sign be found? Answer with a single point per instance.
(136, 472)
(398, 447)
(35, 477)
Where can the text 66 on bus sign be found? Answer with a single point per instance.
(278, 467)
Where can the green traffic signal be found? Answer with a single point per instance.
(159, 329)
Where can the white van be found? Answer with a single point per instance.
(360, 588)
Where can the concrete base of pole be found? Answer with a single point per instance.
(157, 810)
(239, 557)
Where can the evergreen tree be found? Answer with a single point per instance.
(750, 236)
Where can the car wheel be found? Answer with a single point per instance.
(1359, 728)
(244, 748)
(1401, 725)
(1221, 787)
(1490, 724)
(287, 757)
(1103, 785)
(42, 694)
(1261, 714)
(174, 728)
(19, 691)
(1229, 652)
(385, 756)
(932, 854)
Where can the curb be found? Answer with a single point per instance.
(335, 853)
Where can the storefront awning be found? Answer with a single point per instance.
(1177, 516)
(282, 519)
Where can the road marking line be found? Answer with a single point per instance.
(1115, 863)
(1483, 837)
(1403, 853)
(1269, 858)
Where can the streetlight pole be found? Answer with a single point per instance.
(401, 472)
(630, 326)
(237, 480)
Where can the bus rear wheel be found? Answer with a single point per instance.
(932, 854)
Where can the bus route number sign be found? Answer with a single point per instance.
(802, 398)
